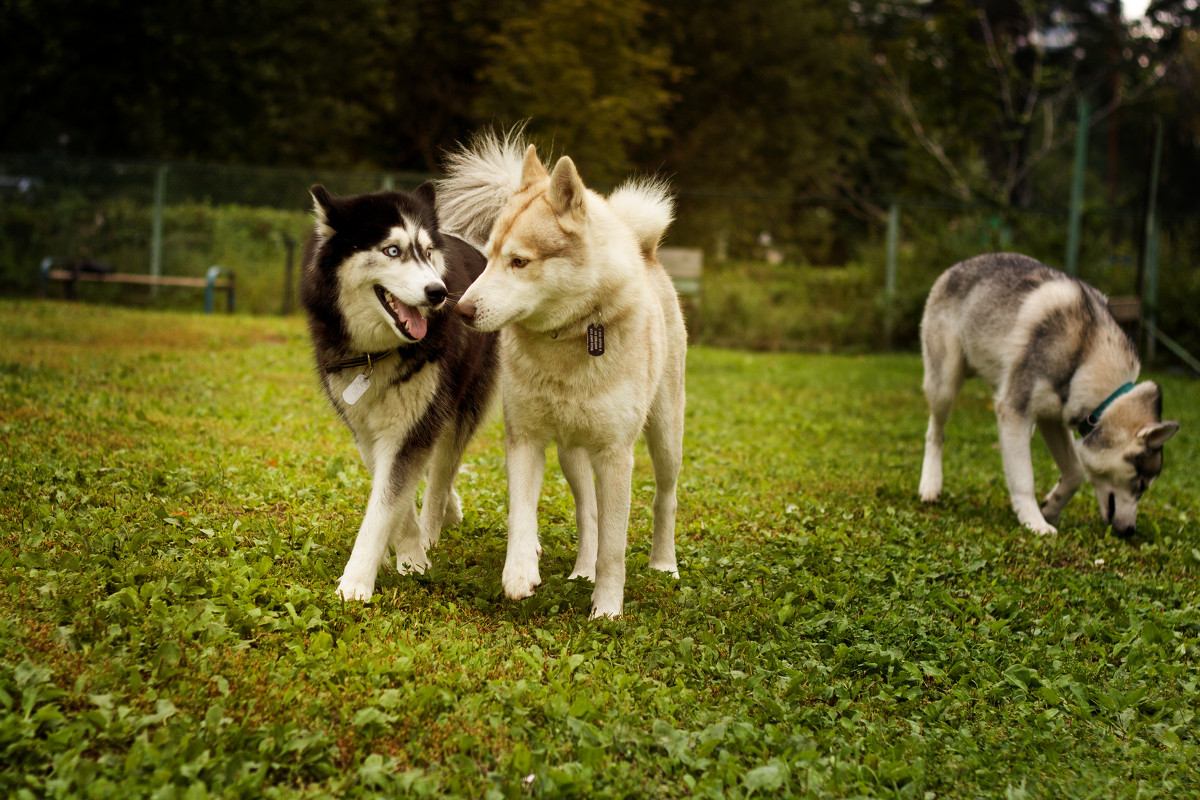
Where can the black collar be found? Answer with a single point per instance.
(365, 360)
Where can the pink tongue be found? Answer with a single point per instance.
(416, 324)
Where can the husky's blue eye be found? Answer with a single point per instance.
(391, 251)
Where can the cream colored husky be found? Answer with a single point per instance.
(592, 348)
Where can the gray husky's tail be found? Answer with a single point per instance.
(480, 179)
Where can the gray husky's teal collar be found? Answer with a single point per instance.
(1093, 419)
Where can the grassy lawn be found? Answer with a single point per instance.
(176, 502)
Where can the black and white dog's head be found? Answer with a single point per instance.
(1123, 455)
(374, 269)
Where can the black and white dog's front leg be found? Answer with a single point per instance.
(391, 519)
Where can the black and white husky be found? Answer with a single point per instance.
(402, 371)
(1049, 346)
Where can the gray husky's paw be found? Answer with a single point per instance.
(1052, 513)
(1042, 528)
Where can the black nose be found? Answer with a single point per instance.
(435, 293)
(1125, 533)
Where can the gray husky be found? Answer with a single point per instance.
(1049, 346)
(402, 371)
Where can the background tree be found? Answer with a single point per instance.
(586, 76)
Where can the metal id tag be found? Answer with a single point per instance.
(595, 339)
(357, 388)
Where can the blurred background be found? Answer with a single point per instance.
(830, 157)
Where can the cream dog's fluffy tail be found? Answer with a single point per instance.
(646, 206)
(480, 179)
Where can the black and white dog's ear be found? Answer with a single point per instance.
(426, 193)
(323, 211)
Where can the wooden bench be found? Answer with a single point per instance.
(1125, 309)
(684, 265)
(217, 279)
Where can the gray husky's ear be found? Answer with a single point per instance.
(533, 170)
(426, 193)
(566, 193)
(1156, 435)
(322, 205)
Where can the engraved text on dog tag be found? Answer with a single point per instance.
(595, 339)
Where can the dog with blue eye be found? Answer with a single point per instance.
(410, 380)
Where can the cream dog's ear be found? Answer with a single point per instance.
(533, 170)
(567, 193)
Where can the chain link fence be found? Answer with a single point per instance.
(780, 272)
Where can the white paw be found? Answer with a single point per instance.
(607, 602)
(586, 574)
(430, 538)
(415, 561)
(351, 589)
(671, 569)
(453, 515)
(519, 583)
(605, 610)
(929, 493)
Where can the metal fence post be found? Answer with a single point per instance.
(889, 280)
(1076, 211)
(160, 196)
(1149, 289)
(289, 244)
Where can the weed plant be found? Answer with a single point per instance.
(177, 501)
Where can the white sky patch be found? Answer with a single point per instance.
(1134, 9)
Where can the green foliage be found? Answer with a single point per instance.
(249, 242)
(586, 74)
(753, 305)
(176, 502)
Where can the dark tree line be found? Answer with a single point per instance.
(859, 100)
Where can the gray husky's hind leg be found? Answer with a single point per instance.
(1062, 448)
(945, 369)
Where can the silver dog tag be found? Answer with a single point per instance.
(357, 388)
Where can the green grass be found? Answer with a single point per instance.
(176, 502)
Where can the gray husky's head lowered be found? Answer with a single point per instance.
(1123, 454)
(379, 265)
